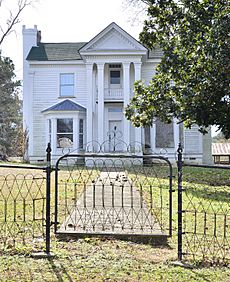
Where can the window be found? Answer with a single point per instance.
(66, 84)
(81, 134)
(65, 133)
(115, 110)
(115, 77)
(115, 66)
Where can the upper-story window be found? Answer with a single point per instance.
(115, 75)
(66, 84)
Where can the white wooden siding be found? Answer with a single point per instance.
(147, 72)
(193, 141)
(46, 93)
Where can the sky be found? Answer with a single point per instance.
(67, 21)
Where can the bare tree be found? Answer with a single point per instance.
(13, 17)
(137, 9)
(137, 2)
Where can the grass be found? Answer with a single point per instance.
(93, 259)
(106, 259)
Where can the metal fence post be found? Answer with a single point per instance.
(48, 174)
(180, 189)
(171, 190)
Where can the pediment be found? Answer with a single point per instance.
(113, 38)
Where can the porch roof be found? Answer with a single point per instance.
(66, 105)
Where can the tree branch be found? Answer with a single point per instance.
(14, 19)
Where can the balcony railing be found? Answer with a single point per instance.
(113, 94)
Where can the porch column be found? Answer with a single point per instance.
(176, 131)
(76, 132)
(138, 130)
(126, 89)
(29, 122)
(153, 137)
(101, 121)
(54, 135)
(89, 77)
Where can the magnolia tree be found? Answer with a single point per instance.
(192, 81)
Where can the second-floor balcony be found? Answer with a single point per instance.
(113, 94)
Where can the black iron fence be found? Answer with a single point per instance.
(25, 207)
(203, 212)
(118, 194)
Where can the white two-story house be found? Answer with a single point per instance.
(74, 95)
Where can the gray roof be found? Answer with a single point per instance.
(71, 50)
(55, 52)
(66, 105)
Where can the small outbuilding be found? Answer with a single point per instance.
(221, 153)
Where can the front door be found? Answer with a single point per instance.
(115, 136)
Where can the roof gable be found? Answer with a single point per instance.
(66, 105)
(113, 38)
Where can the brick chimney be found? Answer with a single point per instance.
(39, 36)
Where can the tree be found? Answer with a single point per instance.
(12, 18)
(136, 3)
(135, 11)
(219, 138)
(11, 132)
(10, 109)
(192, 81)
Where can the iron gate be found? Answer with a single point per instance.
(110, 194)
